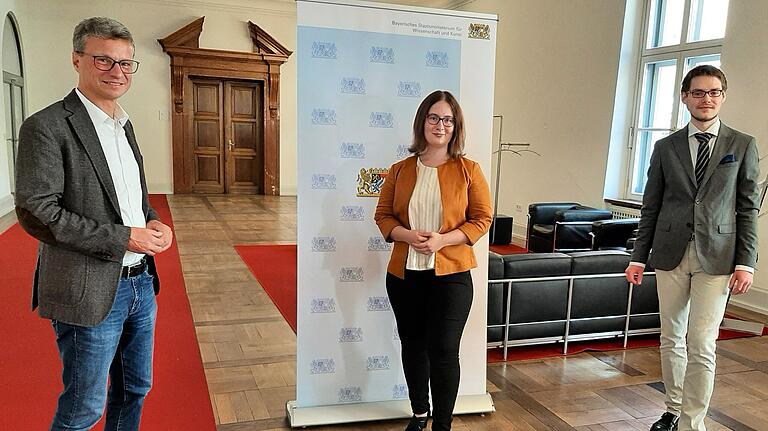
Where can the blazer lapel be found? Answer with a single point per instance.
(139, 161)
(680, 142)
(132, 141)
(722, 145)
(83, 126)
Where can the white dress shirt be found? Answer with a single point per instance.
(122, 166)
(425, 213)
(693, 143)
(693, 146)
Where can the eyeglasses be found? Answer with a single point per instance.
(698, 94)
(447, 121)
(104, 63)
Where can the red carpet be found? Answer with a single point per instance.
(520, 353)
(508, 249)
(275, 268)
(30, 370)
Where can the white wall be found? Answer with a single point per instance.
(556, 67)
(50, 74)
(745, 65)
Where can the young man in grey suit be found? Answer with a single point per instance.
(699, 226)
(80, 190)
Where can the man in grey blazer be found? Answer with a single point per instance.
(699, 227)
(80, 190)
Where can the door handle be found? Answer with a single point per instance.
(231, 145)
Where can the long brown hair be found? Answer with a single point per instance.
(456, 144)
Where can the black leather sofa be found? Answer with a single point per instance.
(561, 226)
(556, 297)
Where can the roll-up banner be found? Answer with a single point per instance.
(363, 69)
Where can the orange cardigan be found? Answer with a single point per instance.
(466, 206)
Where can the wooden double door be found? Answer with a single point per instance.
(226, 131)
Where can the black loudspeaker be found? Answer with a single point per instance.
(501, 230)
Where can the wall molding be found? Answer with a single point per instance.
(457, 4)
(285, 8)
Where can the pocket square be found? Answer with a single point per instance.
(728, 158)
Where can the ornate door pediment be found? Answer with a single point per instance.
(189, 60)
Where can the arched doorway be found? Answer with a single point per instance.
(13, 92)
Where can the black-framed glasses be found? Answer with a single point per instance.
(434, 119)
(698, 94)
(102, 62)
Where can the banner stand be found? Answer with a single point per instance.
(375, 411)
(363, 70)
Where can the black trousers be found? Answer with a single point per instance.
(431, 312)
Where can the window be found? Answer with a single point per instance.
(678, 35)
(13, 89)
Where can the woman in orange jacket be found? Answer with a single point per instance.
(433, 205)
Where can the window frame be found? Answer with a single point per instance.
(678, 53)
(13, 81)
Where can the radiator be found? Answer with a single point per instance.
(620, 212)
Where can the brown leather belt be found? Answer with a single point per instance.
(135, 269)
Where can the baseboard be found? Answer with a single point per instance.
(519, 232)
(160, 188)
(755, 300)
(288, 191)
(6, 205)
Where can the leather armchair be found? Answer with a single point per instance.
(613, 234)
(574, 226)
(561, 226)
(541, 224)
(632, 239)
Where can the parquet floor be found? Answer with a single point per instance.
(248, 350)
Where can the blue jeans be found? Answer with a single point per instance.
(120, 348)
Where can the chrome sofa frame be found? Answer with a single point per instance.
(566, 337)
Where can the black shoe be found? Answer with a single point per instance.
(668, 422)
(417, 423)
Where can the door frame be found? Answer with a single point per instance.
(188, 59)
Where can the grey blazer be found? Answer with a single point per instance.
(722, 213)
(66, 199)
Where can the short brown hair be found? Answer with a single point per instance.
(456, 145)
(703, 70)
(101, 28)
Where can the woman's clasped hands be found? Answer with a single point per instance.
(425, 242)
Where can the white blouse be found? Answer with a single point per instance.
(425, 213)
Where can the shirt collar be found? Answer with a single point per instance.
(713, 129)
(100, 117)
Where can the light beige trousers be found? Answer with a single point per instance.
(692, 303)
